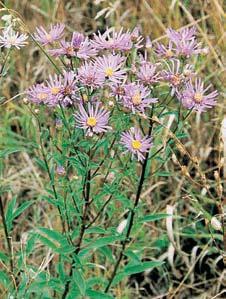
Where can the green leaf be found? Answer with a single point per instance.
(104, 241)
(9, 213)
(3, 257)
(4, 153)
(163, 173)
(153, 217)
(22, 208)
(129, 270)
(97, 295)
(79, 281)
(96, 230)
(54, 235)
(47, 242)
(4, 278)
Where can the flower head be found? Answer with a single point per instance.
(184, 41)
(173, 74)
(195, 96)
(54, 88)
(37, 93)
(69, 88)
(111, 67)
(113, 40)
(89, 76)
(147, 73)
(11, 38)
(79, 46)
(182, 34)
(137, 38)
(137, 97)
(93, 120)
(165, 51)
(55, 33)
(135, 143)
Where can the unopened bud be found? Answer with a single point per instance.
(195, 160)
(111, 104)
(60, 170)
(90, 134)
(58, 123)
(184, 171)
(148, 43)
(25, 100)
(216, 223)
(132, 129)
(36, 111)
(121, 226)
(181, 148)
(174, 159)
(205, 51)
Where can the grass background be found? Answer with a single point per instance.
(196, 271)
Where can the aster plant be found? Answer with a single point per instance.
(109, 103)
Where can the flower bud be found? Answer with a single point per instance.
(184, 171)
(111, 104)
(58, 123)
(60, 170)
(148, 43)
(121, 226)
(216, 223)
(25, 100)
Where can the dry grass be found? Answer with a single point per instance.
(195, 266)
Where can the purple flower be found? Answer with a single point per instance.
(79, 46)
(137, 97)
(60, 170)
(37, 93)
(185, 41)
(194, 96)
(165, 51)
(10, 39)
(182, 34)
(94, 120)
(135, 143)
(147, 73)
(110, 67)
(112, 40)
(54, 89)
(136, 38)
(55, 33)
(173, 75)
(117, 90)
(69, 88)
(89, 76)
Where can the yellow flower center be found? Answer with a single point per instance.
(109, 72)
(12, 40)
(175, 79)
(70, 51)
(91, 121)
(198, 97)
(55, 90)
(136, 144)
(48, 37)
(136, 99)
(85, 97)
(169, 53)
(42, 96)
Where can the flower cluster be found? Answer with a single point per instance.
(111, 67)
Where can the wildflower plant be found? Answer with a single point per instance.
(108, 104)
